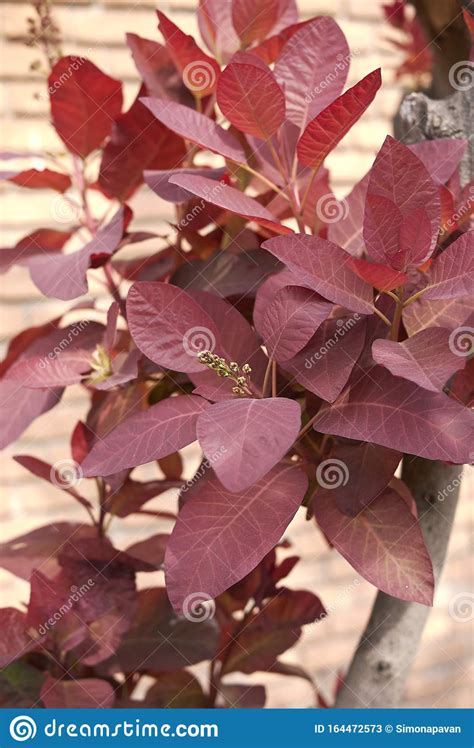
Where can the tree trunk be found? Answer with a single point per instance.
(386, 651)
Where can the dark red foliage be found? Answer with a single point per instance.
(305, 342)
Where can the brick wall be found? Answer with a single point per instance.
(97, 30)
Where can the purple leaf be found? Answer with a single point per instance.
(221, 536)
(63, 276)
(291, 320)
(15, 642)
(169, 326)
(401, 415)
(452, 273)
(426, 358)
(440, 157)
(449, 313)
(229, 198)
(324, 267)
(243, 439)
(158, 182)
(347, 231)
(268, 290)
(384, 543)
(20, 406)
(312, 69)
(400, 190)
(197, 128)
(154, 433)
(355, 474)
(325, 364)
(79, 693)
(50, 474)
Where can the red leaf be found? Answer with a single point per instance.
(36, 179)
(440, 157)
(237, 696)
(137, 142)
(169, 326)
(355, 474)
(67, 359)
(312, 69)
(51, 475)
(158, 640)
(244, 438)
(271, 48)
(197, 128)
(448, 313)
(162, 429)
(251, 99)
(15, 642)
(220, 536)
(64, 276)
(158, 182)
(325, 268)
(380, 276)
(157, 70)
(84, 102)
(80, 693)
(325, 364)
(427, 358)
(401, 415)
(347, 231)
(229, 198)
(200, 72)
(291, 319)
(215, 24)
(39, 549)
(384, 543)
(452, 273)
(329, 127)
(400, 191)
(254, 20)
(20, 406)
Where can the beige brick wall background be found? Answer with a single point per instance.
(442, 673)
